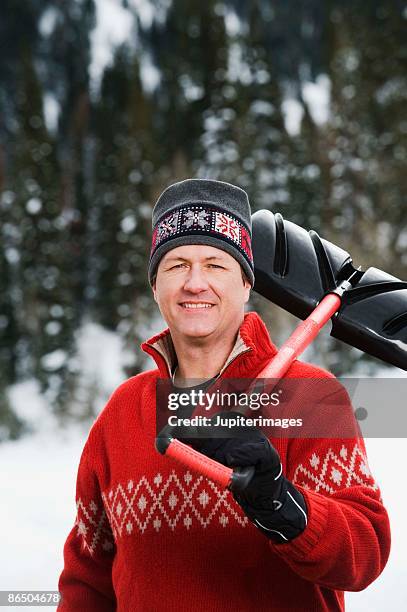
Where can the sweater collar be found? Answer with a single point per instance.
(253, 349)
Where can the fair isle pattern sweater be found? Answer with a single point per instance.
(153, 536)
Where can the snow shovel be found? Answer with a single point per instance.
(316, 281)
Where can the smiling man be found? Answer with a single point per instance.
(152, 535)
(201, 291)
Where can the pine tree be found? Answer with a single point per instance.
(121, 211)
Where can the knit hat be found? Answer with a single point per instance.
(203, 211)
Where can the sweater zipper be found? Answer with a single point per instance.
(234, 359)
(221, 373)
(161, 358)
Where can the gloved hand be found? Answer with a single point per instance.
(244, 446)
(271, 501)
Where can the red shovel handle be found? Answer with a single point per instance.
(226, 477)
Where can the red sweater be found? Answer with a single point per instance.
(151, 535)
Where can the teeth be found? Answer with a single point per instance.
(197, 305)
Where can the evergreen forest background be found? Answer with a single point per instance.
(300, 103)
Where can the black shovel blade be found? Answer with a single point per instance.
(295, 268)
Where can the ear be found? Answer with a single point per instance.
(154, 290)
(247, 287)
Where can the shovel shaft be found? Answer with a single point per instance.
(219, 473)
(234, 479)
(302, 336)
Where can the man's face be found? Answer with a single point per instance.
(200, 292)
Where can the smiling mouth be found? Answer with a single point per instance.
(196, 306)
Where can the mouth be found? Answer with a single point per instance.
(195, 306)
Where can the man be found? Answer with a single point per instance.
(153, 535)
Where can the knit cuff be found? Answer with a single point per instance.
(300, 547)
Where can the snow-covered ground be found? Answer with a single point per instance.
(37, 484)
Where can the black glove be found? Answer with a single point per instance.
(271, 501)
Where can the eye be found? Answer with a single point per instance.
(180, 265)
(216, 266)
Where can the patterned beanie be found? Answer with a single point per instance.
(203, 211)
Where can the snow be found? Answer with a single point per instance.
(317, 96)
(128, 224)
(12, 255)
(7, 198)
(391, 91)
(389, 591)
(55, 360)
(114, 26)
(238, 69)
(51, 112)
(33, 206)
(39, 472)
(149, 74)
(101, 356)
(48, 21)
(38, 481)
(293, 114)
(30, 406)
(233, 24)
(117, 25)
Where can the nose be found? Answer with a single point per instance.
(195, 281)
